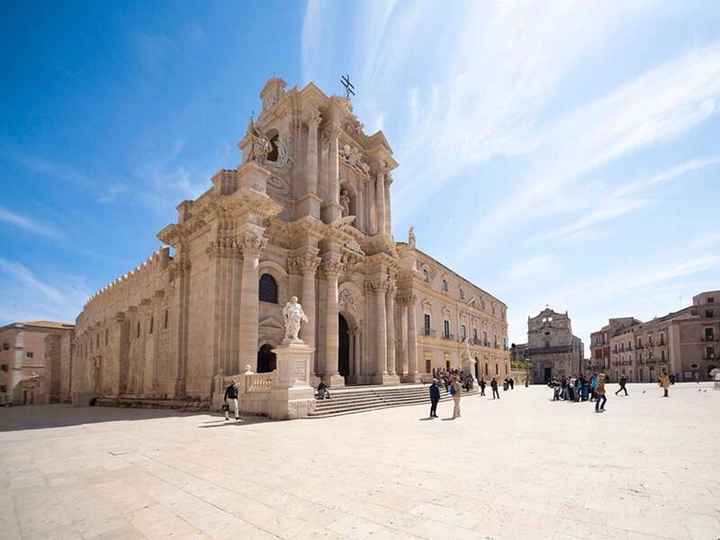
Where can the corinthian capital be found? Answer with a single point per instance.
(332, 264)
(253, 244)
(313, 118)
(304, 263)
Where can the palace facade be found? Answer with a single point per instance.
(307, 213)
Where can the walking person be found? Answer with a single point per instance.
(434, 398)
(494, 386)
(456, 392)
(664, 381)
(601, 398)
(623, 382)
(231, 400)
(482, 386)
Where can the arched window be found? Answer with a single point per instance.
(268, 289)
(462, 294)
(445, 285)
(426, 274)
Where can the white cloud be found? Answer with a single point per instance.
(533, 266)
(28, 224)
(28, 297)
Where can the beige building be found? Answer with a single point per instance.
(600, 342)
(307, 213)
(684, 343)
(27, 370)
(552, 349)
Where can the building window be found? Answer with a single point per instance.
(445, 285)
(6, 346)
(446, 329)
(709, 352)
(709, 313)
(427, 324)
(138, 329)
(709, 334)
(485, 341)
(107, 337)
(662, 356)
(3, 388)
(487, 372)
(165, 322)
(547, 344)
(497, 370)
(152, 324)
(426, 274)
(268, 289)
(428, 361)
(463, 332)
(97, 340)
(662, 339)
(29, 354)
(446, 356)
(462, 294)
(475, 338)
(711, 299)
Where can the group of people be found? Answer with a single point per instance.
(581, 388)
(452, 387)
(445, 376)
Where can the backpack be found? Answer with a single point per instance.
(452, 390)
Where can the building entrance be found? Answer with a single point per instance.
(343, 346)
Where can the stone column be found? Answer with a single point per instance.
(307, 263)
(381, 211)
(253, 243)
(403, 363)
(311, 170)
(381, 332)
(331, 266)
(360, 208)
(333, 209)
(390, 309)
(372, 207)
(388, 209)
(412, 374)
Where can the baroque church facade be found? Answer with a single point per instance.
(307, 213)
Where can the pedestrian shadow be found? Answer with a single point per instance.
(244, 421)
(425, 419)
(448, 419)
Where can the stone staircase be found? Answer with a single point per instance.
(356, 399)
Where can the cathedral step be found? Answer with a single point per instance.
(373, 398)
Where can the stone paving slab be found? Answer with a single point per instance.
(519, 467)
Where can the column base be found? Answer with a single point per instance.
(386, 378)
(334, 381)
(411, 378)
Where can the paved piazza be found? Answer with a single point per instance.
(522, 467)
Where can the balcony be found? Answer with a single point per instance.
(708, 339)
(447, 336)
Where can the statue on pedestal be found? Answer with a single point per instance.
(294, 317)
(411, 237)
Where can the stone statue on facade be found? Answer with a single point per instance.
(345, 202)
(294, 317)
(411, 237)
(260, 146)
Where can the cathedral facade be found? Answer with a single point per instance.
(307, 213)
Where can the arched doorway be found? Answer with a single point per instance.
(343, 346)
(266, 359)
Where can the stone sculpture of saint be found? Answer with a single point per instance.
(294, 317)
(411, 237)
(345, 202)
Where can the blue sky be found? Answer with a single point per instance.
(550, 153)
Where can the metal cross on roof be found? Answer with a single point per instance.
(349, 88)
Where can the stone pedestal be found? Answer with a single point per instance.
(468, 366)
(291, 395)
(386, 378)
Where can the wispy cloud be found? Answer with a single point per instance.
(26, 296)
(532, 266)
(28, 224)
(112, 193)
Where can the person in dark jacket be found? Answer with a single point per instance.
(623, 382)
(494, 386)
(482, 386)
(434, 398)
(231, 400)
